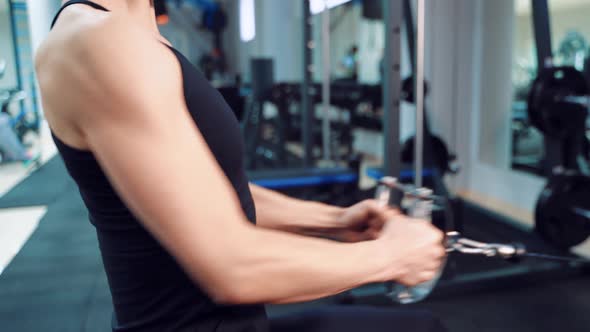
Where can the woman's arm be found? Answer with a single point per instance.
(124, 93)
(125, 96)
(360, 222)
(277, 211)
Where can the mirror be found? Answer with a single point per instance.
(570, 36)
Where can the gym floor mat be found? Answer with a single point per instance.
(40, 188)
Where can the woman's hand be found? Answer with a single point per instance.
(363, 221)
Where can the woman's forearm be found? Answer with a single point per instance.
(280, 212)
(277, 267)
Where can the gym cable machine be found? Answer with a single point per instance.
(552, 96)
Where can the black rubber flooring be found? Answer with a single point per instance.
(40, 188)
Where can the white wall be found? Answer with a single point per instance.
(496, 89)
(278, 36)
(41, 14)
(9, 81)
(480, 85)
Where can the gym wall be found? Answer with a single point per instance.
(474, 98)
(496, 88)
(40, 16)
(278, 36)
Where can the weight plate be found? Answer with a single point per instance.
(408, 87)
(548, 107)
(440, 158)
(562, 214)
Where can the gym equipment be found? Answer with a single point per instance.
(558, 107)
(573, 50)
(419, 203)
(287, 124)
(270, 164)
(335, 185)
(440, 157)
(437, 154)
(15, 126)
(459, 275)
(562, 214)
(372, 9)
(408, 89)
(416, 201)
(326, 77)
(558, 101)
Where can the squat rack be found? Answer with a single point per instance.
(393, 11)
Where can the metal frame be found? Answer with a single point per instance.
(17, 63)
(542, 31)
(419, 86)
(410, 33)
(393, 16)
(306, 107)
(326, 82)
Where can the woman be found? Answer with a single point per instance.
(157, 156)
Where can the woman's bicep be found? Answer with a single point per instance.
(160, 165)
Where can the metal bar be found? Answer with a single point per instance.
(392, 10)
(326, 64)
(410, 33)
(17, 59)
(306, 108)
(542, 30)
(419, 141)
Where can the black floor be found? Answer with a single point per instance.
(56, 282)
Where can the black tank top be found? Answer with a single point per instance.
(150, 291)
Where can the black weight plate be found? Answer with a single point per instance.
(408, 87)
(547, 109)
(562, 214)
(440, 154)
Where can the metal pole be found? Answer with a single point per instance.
(393, 16)
(306, 109)
(419, 142)
(326, 63)
(14, 28)
(410, 33)
(542, 30)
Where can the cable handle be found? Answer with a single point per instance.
(418, 203)
(457, 243)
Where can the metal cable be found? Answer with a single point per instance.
(557, 258)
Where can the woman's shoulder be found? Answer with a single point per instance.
(101, 65)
